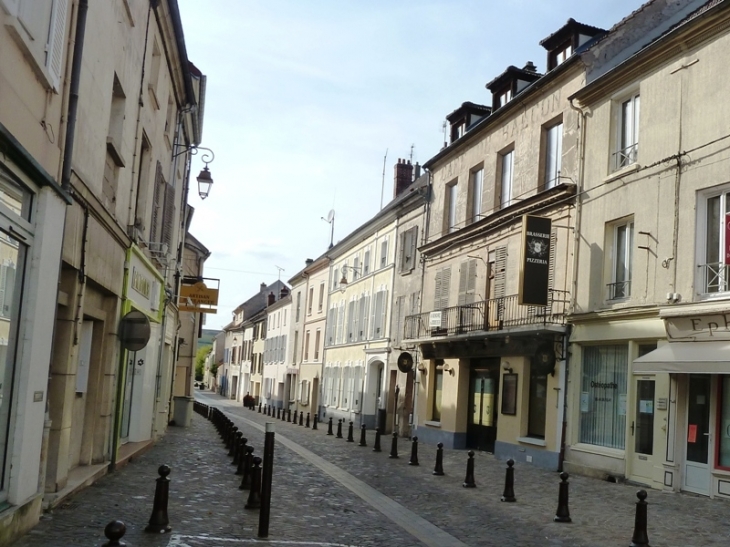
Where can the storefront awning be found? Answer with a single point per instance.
(687, 357)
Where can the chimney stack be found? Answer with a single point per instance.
(272, 299)
(309, 261)
(263, 287)
(417, 171)
(283, 293)
(530, 67)
(403, 176)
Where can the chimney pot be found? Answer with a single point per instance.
(403, 176)
(309, 261)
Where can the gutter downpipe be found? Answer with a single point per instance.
(425, 233)
(73, 101)
(582, 117)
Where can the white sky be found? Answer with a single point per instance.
(305, 96)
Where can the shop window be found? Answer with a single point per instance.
(603, 396)
(537, 403)
(723, 449)
(438, 387)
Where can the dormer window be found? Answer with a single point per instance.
(505, 97)
(571, 37)
(464, 117)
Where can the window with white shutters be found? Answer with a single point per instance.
(384, 253)
(340, 336)
(366, 263)
(357, 395)
(363, 314)
(467, 282)
(379, 313)
(351, 321)
(331, 327)
(407, 254)
(442, 288)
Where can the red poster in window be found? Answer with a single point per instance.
(727, 238)
(692, 433)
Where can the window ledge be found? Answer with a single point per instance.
(430, 423)
(622, 172)
(531, 440)
(603, 451)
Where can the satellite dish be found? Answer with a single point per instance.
(331, 215)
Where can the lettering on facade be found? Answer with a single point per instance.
(140, 283)
(606, 397)
(706, 327)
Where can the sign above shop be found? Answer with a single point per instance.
(699, 328)
(198, 297)
(535, 266)
(405, 362)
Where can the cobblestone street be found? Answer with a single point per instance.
(327, 491)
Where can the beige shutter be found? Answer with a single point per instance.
(157, 199)
(169, 216)
(56, 41)
(463, 280)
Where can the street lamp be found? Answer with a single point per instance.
(343, 281)
(205, 180)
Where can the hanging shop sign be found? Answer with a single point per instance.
(198, 297)
(405, 362)
(535, 266)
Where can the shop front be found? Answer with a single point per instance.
(696, 362)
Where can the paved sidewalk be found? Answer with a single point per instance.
(330, 492)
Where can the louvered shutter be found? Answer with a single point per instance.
(340, 335)
(351, 321)
(500, 266)
(56, 42)
(157, 199)
(437, 290)
(364, 308)
(463, 280)
(445, 287)
(169, 218)
(384, 314)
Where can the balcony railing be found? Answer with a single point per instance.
(624, 158)
(488, 315)
(619, 289)
(715, 276)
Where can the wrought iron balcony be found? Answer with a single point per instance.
(488, 315)
(625, 157)
(715, 277)
(619, 289)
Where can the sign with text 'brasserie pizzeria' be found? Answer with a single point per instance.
(535, 267)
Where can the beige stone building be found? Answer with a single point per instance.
(492, 333)
(309, 290)
(650, 379)
(98, 110)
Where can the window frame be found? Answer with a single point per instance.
(613, 293)
(625, 149)
(450, 202)
(476, 199)
(504, 182)
(551, 173)
(721, 271)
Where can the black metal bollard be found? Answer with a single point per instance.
(254, 493)
(301, 418)
(307, 424)
(232, 440)
(247, 463)
(414, 452)
(509, 483)
(115, 531)
(237, 448)
(439, 467)
(314, 422)
(339, 429)
(376, 446)
(295, 417)
(288, 415)
(469, 479)
(242, 456)
(363, 429)
(283, 414)
(267, 474)
(259, 408)
(563, 513)
(159, 523)
(640, 537)
(394, 446)
(329, 427)
(350, 431)
(278, 413)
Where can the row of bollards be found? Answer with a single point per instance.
(562, 514)
(254, 478)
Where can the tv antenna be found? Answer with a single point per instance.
(411, 157)
(280, 270)
(382, 186)
(443, 128)
(331, 220)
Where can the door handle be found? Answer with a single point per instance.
(632, 429)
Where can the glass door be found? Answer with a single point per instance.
(483, 395)
(641, 431)
(697, 468)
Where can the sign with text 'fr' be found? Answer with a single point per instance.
(535, 266)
